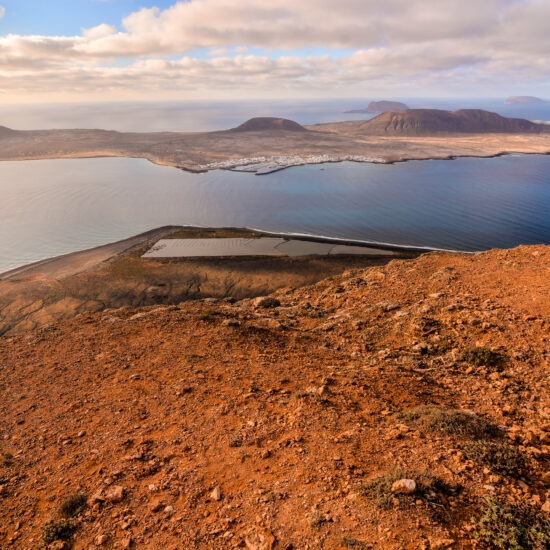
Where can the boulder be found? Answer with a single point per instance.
(266, 302)
(404, 487)
(216, 494)
(115, 494)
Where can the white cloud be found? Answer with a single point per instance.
(99, 31)
(433, 43)
(2, 11)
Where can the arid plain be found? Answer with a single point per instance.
(390, 137)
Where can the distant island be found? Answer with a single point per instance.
(377, 107)
(266, 144)
(525, 100)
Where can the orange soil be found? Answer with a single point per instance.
(235, 426)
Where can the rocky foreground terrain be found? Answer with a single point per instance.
(393, 407)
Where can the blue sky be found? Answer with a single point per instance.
(67, 17)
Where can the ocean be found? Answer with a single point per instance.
(53, 207)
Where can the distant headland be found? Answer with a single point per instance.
(377, 107)
(525, 100)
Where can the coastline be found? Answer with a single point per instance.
(266, 151)
(249, 165)
(278, 168)
(84, 260)
(116, 276)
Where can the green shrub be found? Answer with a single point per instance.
(512, 528)
(6, 459)
(62, 529)
(317, 521)
(449, 421)
(379, 489)
(208, 315)
(350, 542)
(236, 441)
(72, 505)
(499, 457)
(480, 357)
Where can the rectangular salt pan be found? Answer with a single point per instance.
(264, 246)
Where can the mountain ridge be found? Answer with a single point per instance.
(418, 122)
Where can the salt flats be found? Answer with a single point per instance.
(263, 246)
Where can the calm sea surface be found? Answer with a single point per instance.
(52, 207)
(195, 116)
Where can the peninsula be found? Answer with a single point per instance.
(266, 144)
(525, 100)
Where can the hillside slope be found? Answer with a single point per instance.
(269, 124)
(418, 122)
(7, 132)
(214, 425)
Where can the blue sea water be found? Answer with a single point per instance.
(52, 207)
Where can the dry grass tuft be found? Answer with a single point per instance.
(450, 421)
(499, 457)
(379, 490)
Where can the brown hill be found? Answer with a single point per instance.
(263, 124)
(285, 424)
(420, 122)
(7, 132)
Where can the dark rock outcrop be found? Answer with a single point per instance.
(262, 124)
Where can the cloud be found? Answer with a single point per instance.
(388, 43)
(2, 11)
(100, 31)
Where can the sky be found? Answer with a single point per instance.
(93, 50)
